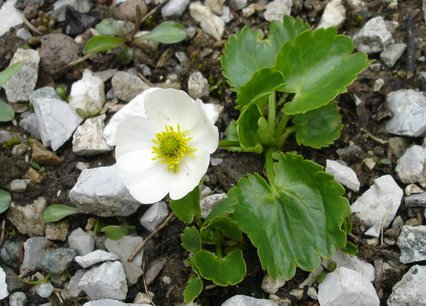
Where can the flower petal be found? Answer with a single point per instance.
(134, 108)
(191, 170)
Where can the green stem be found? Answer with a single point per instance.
(272, 109)
(269, 165)
(282, 124)
(218, 247)
(229, 143)
(290, 130)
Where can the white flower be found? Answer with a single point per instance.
(165, 150)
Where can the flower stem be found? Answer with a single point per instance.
(290, 130)
(272, 109)
(282, 124)
(229, 143)
(269, 165)
(218, 247)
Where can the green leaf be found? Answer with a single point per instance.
(56, 212)
(227, 227)
(116, 232)
(264, 134)
(247, 52)
(295, 221)
(109, 27)
(317, 66)
(258, 88)
(247, 126)
(193, 288)
(222, 271)
(6, 112)
(191, 240)
(102, 43)
(5, 200)
(125, 56)
(319, 127)
(188, 207)
(9, 72)
(168, 32)
(350, 248)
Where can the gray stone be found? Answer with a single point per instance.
(27, 218)
(34, 249)
(412, 242)
(153, 217)
(18, 185)
(409, 113)
(98, 191)
(109, 302)
(209, 202)
(174, 8)
(72, 286)
(56, 119)
(373, 36)
(392, 53)
(397, 146)
(5, 136)
(226, 14)
(18, 299)
(127, 86)
(244, 300)
(334, 15)
(378, 205)
(3, 285)
(83, 242)
(57, 260)
(95, 257)
(237, 4)
(123, 248)
(277, 9)
(411, 289)
(44, 290)
(410, 165)
(10, 253)
(343, 174)
(88, 94)
(59, 8)
(9, 17)
(23, 34)
(88, 139)
(216, 6)
(272, 285)
(415, 200)
(209, 22)
(354, 263)
(345, 287)
(198, 86)
(108, 281)
(21, 85)
(29, 123)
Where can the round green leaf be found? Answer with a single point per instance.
(298, 219)
(168, 32)
(56, 212)
(188, 207)
(6, 112)
(222, 271)
(102, 43)
(191, 240)
(318, 128)
(9, 72)
(317, 66)
(115, 232)
(109, 27)
(5, 200)
(193, 288)
(247, 52)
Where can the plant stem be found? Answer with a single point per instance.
(290, 130)
(272, 109)
(269, 165)
(229, 143)
(282, 124)
(218, 247)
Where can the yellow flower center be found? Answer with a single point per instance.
(171, 146)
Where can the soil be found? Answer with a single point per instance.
(359, 122)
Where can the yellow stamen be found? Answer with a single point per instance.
(171, 146)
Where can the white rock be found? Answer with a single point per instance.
(356, 5)
(88, 139)
(409, 113)
(21, 85)
(123, 248)
(334, 15)
(56, 119)
(127, 86)
(243, 300)
(277, 9)
(198, 86)
(209, 22)
(109, 302)
(410, 165)
(237, 4)
(108, 281)
(83, 242)
(9, 16)
(174, 8)
(29, 123)
(411, 289)
(412, 243)
(3, 285)
(378, 84)
(95, 257)
(83, 6)
(216, 6)
(153, 217)
(213, 111)
(45, 290)
(19, 185)
(271, 285)
(226, 15)
(23, 34)
(373, 36)
(354, 263)
(88, 94)
(392, 53)
(209, 202)
(18, 299)
(27, 218)
(378, 205)
(99, 191)
(347, 287)
(343, 174)
(72, 285)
